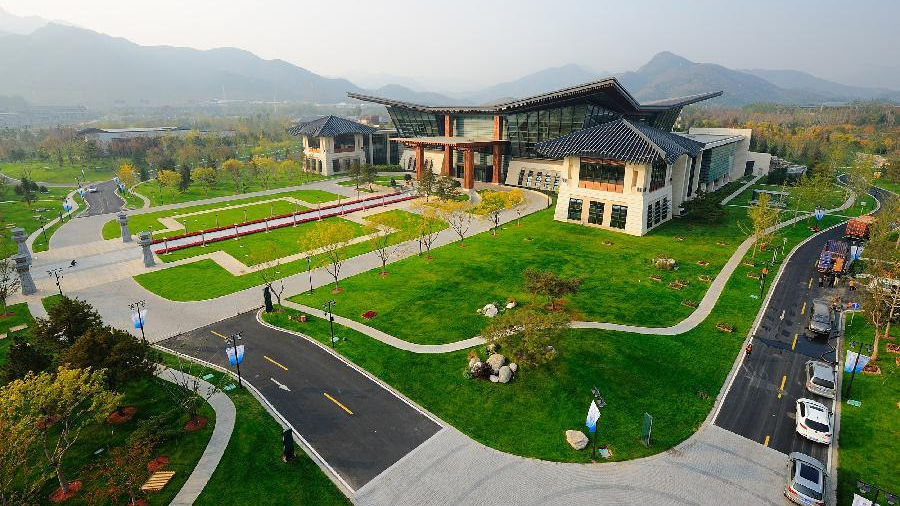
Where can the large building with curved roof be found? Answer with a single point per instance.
(614, 161)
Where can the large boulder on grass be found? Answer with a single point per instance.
(513, 367)
(576, 439)
(496, 361)
(505, 374)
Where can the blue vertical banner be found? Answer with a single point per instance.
(592, 417)
(235, 354)
(138, 318)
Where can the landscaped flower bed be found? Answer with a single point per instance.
(368, 315)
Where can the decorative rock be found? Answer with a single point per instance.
(472, 362)
(494, 378)
(576, 439)
(496, 361)
(514, 367)
(505, 374)
(489, 310)
(511, 304)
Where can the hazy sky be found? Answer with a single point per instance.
(464, 44)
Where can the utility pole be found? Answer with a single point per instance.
(57, 273)
(328, 305)
(138, 307)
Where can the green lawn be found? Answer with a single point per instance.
(16, 314)
(435, 301)
(674, 378)
(15, 213)
(223, 213)
(132, 201)
(835, 198)
(888, 185)
(50, 172)
(251, 471)
(870, 434)
(262, 247)
(180, 282)
(160, 196)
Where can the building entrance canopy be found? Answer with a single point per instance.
(464, 144)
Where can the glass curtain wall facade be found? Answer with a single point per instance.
(474, 126)
(524, 129)
(658, 174)
(717, 162)
(416, 124)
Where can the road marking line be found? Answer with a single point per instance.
(803, 310)
(781, 389)
(332, 399)
(223, 336)
(766, 443)
(794, 344)
(809, 285)
(274, 362)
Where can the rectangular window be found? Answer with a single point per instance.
(649, 216)
(521, 176)
(538, 179)
(574, 209)
(548, 179)
(595, 213)
(656, 213)
(605, 175)
(658, 174)
(691, 178)
(528, 181)
(556, 183)
(618, 216)
(665, 208)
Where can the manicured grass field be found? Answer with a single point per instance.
(160, 196)
(227, 213)
(674, 378)
(835, 198)
(48, 171)
(435, 301)
(251, 471)
(131, 200)
(180, 282)
(15, 213)
(16, 314)
(262, 247)
(888, 185)
(870, 434)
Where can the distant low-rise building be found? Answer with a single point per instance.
(105, 136)
(331, 143)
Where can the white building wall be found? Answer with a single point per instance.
(552, 167)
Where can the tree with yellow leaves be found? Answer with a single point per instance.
(235, 170)
(206, 177)
(763, 218)
(169, 180)
(127, 175)
(328, 240)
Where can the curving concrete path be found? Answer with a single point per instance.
(218, 442)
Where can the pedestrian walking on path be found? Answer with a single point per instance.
(852, 284)
(749, 349)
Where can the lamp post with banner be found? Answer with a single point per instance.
(593, 417)
(235, 354)
(819, 213)
(139, 316)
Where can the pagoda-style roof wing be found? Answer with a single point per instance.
(621, 139)
(330, 126)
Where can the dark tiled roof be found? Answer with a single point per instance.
(620, 140)
(330, 126)
(609, 86)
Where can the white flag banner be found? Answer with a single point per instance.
(235, 354)
(138, 318)
(850, 361)
(592, 417)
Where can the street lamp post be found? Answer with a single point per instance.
(600, 403)
(309, 271)
(328, 305)
(856, 363)
(762, 281)
(44, 230)
(56, 273)
(237, 362)
(138, 307)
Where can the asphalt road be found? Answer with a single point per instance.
(104, 201)
(353, 423)
(761, 402)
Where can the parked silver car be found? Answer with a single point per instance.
(805, 480)
(820, 378)
(821, 317)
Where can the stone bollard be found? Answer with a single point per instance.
(18, 235)
(145, 241)
(123, 223)
(23, 267)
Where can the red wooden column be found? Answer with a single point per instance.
(498, 160)
(468, 169)
(420, 160)
(448, 161)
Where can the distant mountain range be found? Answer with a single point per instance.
(50, 63)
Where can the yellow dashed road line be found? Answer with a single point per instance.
(766, 443)
(781, 389)
(794, 344)
(803, 310)
(274, 362)
(332, 399)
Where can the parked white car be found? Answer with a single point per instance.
(814, 421)
(805, 480)
(820, 378)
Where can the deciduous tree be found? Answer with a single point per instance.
(123, 357)
(763, 218)
(235, 170)
(428, 226)
(119, 476)
(458, 215)
(550, 285)
(328, 240)
(169, 180)
(22, 471)
(9, 277)
(206, 178)
(127, 175)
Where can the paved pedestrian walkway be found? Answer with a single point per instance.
(218, 442)
(740, 190)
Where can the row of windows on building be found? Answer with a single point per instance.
(541, 180)
(658, 212)
(617, 217)
(604, 175)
